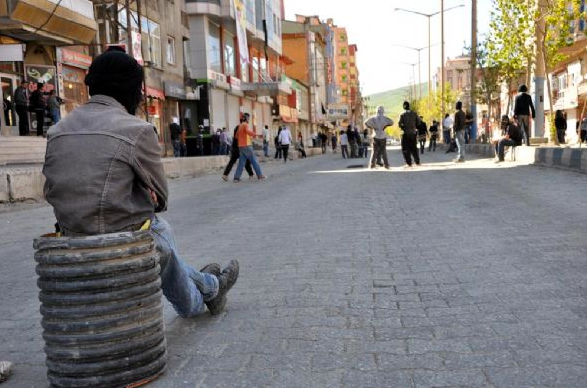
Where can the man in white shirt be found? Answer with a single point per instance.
(344, 144)
(285, 140)
(266, 141)
(446, 128)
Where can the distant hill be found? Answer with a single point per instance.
(392, 100)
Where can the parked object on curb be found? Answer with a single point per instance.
(5, 370)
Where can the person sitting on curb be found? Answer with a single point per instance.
(512, 136)
(104, 175)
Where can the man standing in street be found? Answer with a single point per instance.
(245, 147)
(522, 109)
(285, 140)
(408, 122)
(459, 127)
(104, 175)
(446, 128)
(39, 105)
(21, 99)
(266, 136)
(175, 132)
(378, 123)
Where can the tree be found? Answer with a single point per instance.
(510, 42)
(430, 106)
(555, 19)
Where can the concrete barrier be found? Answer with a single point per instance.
(562, 157)
(182, 167)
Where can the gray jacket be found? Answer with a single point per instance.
(100, 166)
(379, 122)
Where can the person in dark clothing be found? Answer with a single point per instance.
(560, 122)
(422, 134)
(408, 122)
(459, 129)
(215, 139)
(468, 126)
(350, 134)
(333, 141)
(276, 141)
(523, 106)
(323, 141)
(21, 100)
(582, 130)
(300, 146)
(175, 132)
(39, 105)
(512, 137)
(234, 157)
(433, 136)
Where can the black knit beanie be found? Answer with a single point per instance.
(118, 75)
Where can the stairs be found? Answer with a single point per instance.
(22, 150)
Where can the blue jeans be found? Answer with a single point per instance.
(186, 288)
(55, 115)
(446, 136)
(247, 153)
(501, 147)
(176, 148)
(222, 149)
(460, 138)
(266, 149)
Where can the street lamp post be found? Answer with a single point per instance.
(413, 89)
(429, 16)
(419, 71)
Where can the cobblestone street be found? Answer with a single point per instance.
(445, 275)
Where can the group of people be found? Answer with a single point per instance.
(39, 103)
(351, 138)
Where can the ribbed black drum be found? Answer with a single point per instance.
(102, 309)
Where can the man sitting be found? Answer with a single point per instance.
(512, 136)
(104, 175)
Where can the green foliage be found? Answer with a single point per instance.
(430, 106)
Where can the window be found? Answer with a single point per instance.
(343, 65)
(186, 56)
(170, 50)
(229, 55)
(344, 77)
(255, 63)
(342, 38)
(343, 51)
(214, 48)
(151, 40)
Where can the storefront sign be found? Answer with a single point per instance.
(214, 76)
(156, 93)
(175, 90)
(338, 111)
(235, 83)
(73, 58)
(12, 52)
(41, 73)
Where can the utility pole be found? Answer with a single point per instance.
(539, 72)
(139, 22)
(442, 107)
(473, 68)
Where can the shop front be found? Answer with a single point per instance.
(72, 67)
(9, 80)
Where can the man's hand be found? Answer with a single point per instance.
(154, 197)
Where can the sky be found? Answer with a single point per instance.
(378, 29)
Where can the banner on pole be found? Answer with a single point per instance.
(241, 30)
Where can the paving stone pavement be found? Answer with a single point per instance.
(468, 275)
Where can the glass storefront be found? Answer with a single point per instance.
(75, 92)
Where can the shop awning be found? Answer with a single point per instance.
(266, 88)
(49, 21)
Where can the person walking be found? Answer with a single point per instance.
(523, 107)
(433, 136)
(459, 128)
(21, 100)
(243, 135)
(103, 174)
(175, 133)
(266, 136)
(333, 141)
(344, 143)
(377, 124)
(447, 124)
(422, 134)
(300, 146)
(234, 157)
(323, 141)
(285, 140)
(215, 139)
(54, 105)
(408, 122)
(38, 105)
(560, 122)
(367, 143)
(223, 142)
(350, 134)
(277, 143)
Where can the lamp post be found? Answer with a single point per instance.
(429, 16)
(419, 71)
(413, 89)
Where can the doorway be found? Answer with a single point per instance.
(9, 124)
